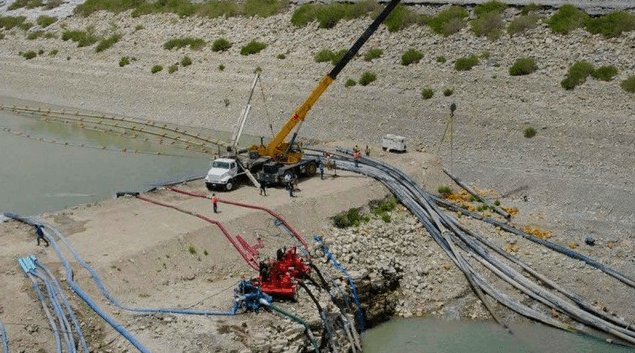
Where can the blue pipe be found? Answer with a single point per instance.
(340, 268)
(64, 327)
(5, 339)
(58, 343)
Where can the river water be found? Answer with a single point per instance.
(37, 176)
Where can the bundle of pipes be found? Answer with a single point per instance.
(453, 238)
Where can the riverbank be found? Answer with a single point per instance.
(573, 178)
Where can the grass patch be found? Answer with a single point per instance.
(489, 7)
(522, 23)
(338, 56)
(577, 74)
(8, 22)
(178, 43)
(156, 68)
(629, 84)
(329, 15)
(449, 21)
(402, 17)
(1, 35)
(411, 56)
(29, 54)
(349, 218)
(448, 92)
(221, 44)
(466, 64)
(82, 38)
(367, 78)
(427, 93)
(523, 66)
(25, 26)
(53, 52)
(192, 250)
(281, 56)
(604, 73)
(527, 9)
(45, 21)
(124, 61)
(221, 67)
(385, 205)
(186, 61)
(373, 53)
(386, 218)
(611, 25)
(567, 19)
(137, 28)
(115, 6)
(529, 132)
(444, 190)
(173, 68)
(253, 47)
(107, 43)
(323, 56)
(349, 83)
(488, 25)
(262, 8)
(35, 35)
(49, 35)
(441, 59)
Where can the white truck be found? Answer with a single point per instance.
(223, 174)
(393, 143)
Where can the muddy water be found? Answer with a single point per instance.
(439, 336)
(50, 169)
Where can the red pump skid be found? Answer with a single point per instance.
(279, 277)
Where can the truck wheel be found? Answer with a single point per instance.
(229, 185)
(210, 187)
(311, 169)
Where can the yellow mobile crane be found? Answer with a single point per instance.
(283, 157)
(279, 158)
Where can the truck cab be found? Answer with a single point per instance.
(222, 174)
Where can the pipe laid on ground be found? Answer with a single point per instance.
(307, 329)
(5, 339)
(497, 209)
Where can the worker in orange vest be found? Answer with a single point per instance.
(215, 203)
(356, 156)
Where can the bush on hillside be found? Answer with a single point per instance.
(527, 9)
(466, 63)
(156, 68)
(35, 35)
(221, 44)
(449, 21)
(186, 61)
(178, 43)
(400, 18)
(492, 6)
(523, 66)
(488, 25)
(253, 47)
(427, 93)
(82, 38)
(567, 19)
(629, 84)
(323, 56)
(107, 43)
(577, 74)
(411, 56)
(29, 55)
(373, 53)
(262, 8)
(367, 78)
(349, 83)
(124, 61)
(45, 21)
(604, 73)
(611, 25)
(522, 23)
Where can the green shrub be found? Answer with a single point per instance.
(385, 205)
(25, 26)
(523, 66)
(221, 44)
(489, 7)
(124, 61)
(330, 15)
(82, 38)
(1, 35)
(107, 43)
(444, 190)
(349, 83)
(411, 56)
(466, 64)
(385, 218)
(567, 19)
(53, 52)
(173, 68)
(522, 23)
(210, 9)
(29, 55)
(611, 25)
(34, 35)
(338, 56)
(252, 47)
(367, 77)
(303, 15)
(49, 35)
(485, 54)
(186, 61)
(40, 52)
(221, 67)
(324, 55)
(281, 56)
(192, 250)
(449, 21)
(262, 8)
(604, 73)
(527, 9)
(427, 93)
(8, 22)
(258, 70)
(629, 84)
(178, 43)
(577, 74)
(530, 132)
(137, 28)
(17, 4)
(441, 59)
(68, 58)
(51, 4)
(156, 68)
(488, 25)
(373, 53)
(400, 18)
(497, 202)
(448, 92)
(45, 21)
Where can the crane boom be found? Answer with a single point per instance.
(276, 146)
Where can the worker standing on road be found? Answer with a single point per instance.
(263, 189)
(356, 156)
(40, 235)
(367, 151)
(289, 184)
(215, 203)
(321, 171)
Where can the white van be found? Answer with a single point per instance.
(393, 143)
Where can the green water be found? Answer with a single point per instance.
(440, 336)
(38, 176)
